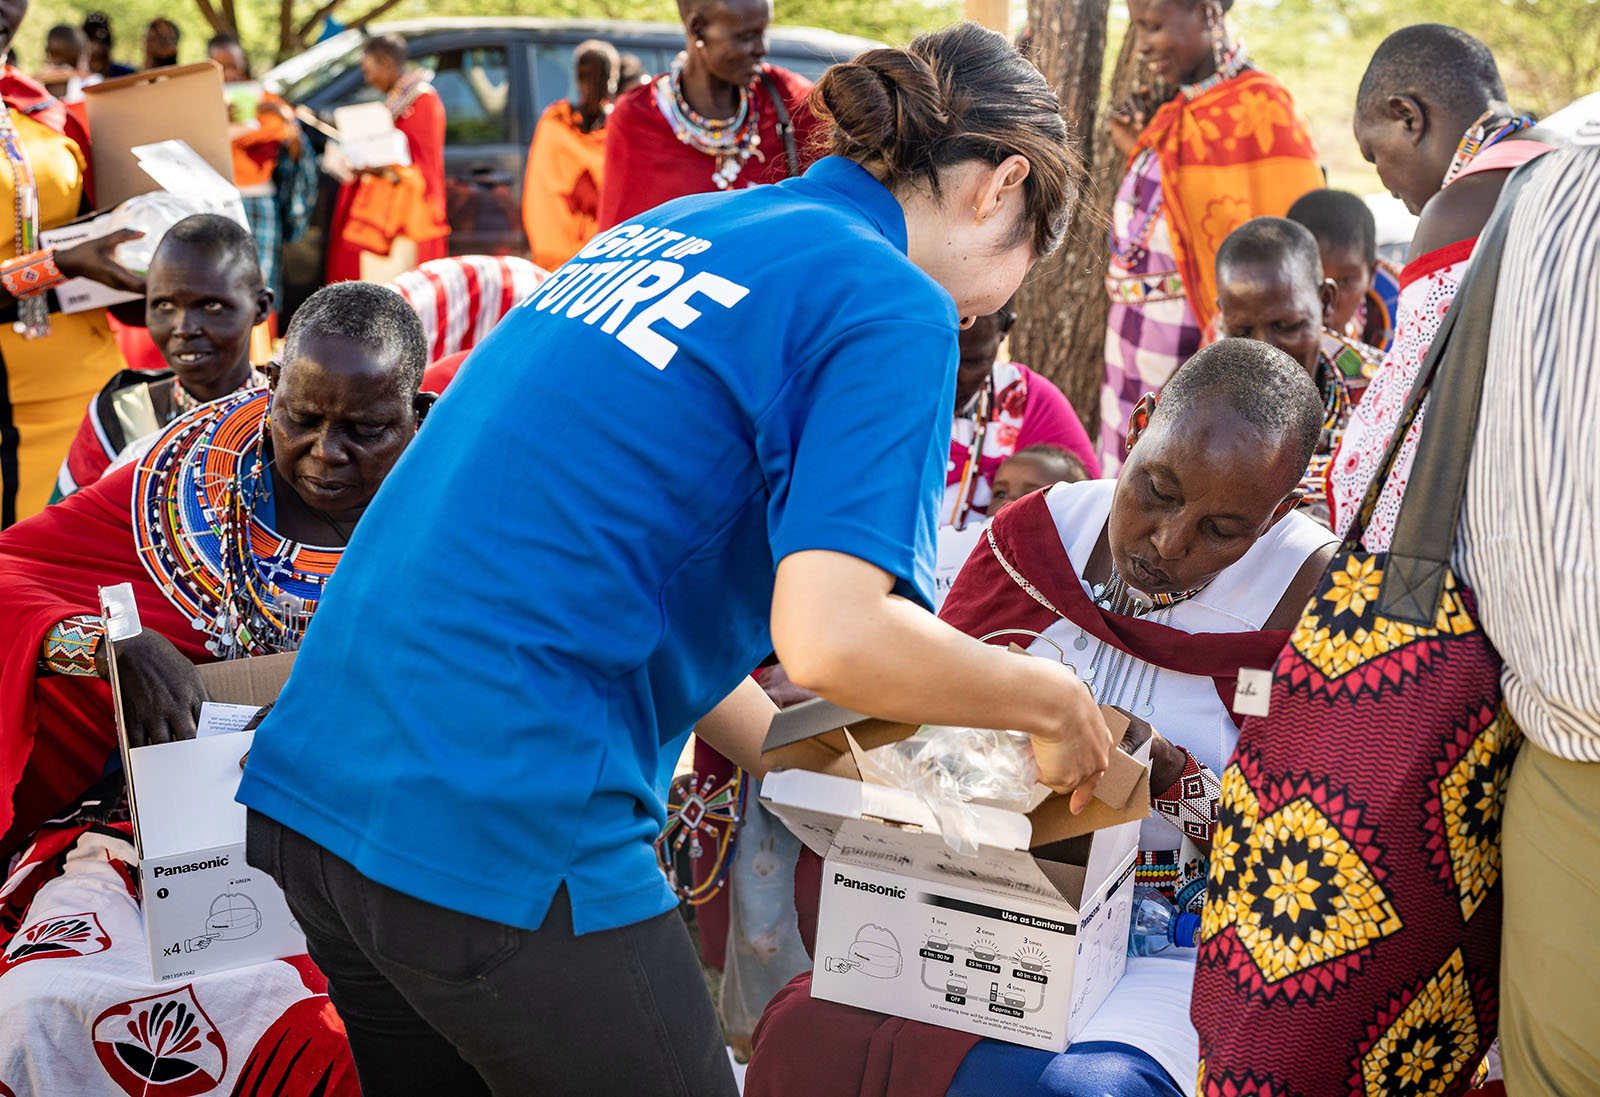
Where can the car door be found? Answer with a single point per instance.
(486, 140)
(482, 80)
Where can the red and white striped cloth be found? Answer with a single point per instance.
(462, 298)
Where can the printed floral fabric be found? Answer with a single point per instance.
(1350, 941)
(1427, 287)
(82, 1017)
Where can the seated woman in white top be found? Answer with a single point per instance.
(1159, 587)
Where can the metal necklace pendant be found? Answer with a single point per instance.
(1082, 642)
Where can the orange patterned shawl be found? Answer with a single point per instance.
(1233, 152)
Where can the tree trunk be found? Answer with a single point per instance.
(1061, 309)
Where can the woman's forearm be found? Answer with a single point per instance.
(840, 633)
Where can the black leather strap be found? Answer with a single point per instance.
(785, 125)
(1452, 375)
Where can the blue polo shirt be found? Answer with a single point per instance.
(574, 560)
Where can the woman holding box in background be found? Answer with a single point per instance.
(51, 364)
(519, 688)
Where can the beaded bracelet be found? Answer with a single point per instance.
(30, 275)
(70, 647)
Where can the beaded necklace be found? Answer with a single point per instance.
(1489, 129)
(983, 408)
(184, 401)
(729, 142)
(251, 591)
(33, 313)
(699, 806)
(1234, 62)
(406, 91)
(1107, 676)
(1335, 398)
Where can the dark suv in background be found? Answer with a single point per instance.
(496, 77)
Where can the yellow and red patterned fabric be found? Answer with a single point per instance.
(1350, 942)
(1235, 151)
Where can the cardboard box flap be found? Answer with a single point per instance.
(247, 681)
(182, 101)
(806, 795)
(184, 790)
(812, 736)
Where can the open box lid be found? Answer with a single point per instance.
(180, 794)
(820, 737)
(181, 101)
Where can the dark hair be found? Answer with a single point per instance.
(161, 22)
(68, 32)
(373, 316)
(605, 51)
(97, 25)
(630, 71)
(1338, 219)
(1272, 240)
(222, 41)
(1264, 386)
(1440, 66)
(216, 235)
(391, 46)
(956, 95)
(1067, 463)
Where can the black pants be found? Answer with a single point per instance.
(440, 1003)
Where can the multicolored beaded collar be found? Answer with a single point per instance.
(1234, 62)
(251, 591)
(728, 142)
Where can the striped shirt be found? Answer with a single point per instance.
(1529, 540)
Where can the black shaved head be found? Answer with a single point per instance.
(1338, 219)
(1271, 241)
(390, 46)
(1441, 67)
(1263, 386)
(369, 315)
(221, 237)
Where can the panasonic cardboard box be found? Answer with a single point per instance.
(205, 909)
(1021, 942)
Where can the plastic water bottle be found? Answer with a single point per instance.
(1158, 926)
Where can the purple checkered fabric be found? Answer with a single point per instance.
(1148, 338)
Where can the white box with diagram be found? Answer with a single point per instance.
(1021, 942)
(205, 909)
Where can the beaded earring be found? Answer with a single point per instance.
(1214, 28)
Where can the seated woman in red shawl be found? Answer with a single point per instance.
(1159, 587)
(204, 295)
(227, 530)
(717, 121)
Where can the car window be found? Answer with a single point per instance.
(474, 85)
(552, 74)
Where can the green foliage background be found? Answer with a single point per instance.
(1549, 50)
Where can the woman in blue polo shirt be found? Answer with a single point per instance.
(459, 787)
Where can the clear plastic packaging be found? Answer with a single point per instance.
(152, 214)
(951, 768)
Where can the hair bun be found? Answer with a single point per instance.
(956, 96)
(887, 106)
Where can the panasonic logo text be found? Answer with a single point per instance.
(841, 880)
(192, 866)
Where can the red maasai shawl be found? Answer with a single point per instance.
(647, 165)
